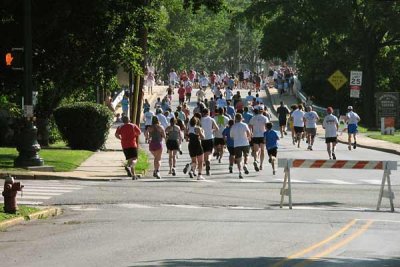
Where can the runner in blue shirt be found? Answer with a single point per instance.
(247, 115)
(226, 133)
(271, 142)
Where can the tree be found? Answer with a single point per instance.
(329, 35)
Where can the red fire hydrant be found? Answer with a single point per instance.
(11, 189)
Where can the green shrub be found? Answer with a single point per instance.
(83, 125)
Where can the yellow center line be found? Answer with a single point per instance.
(337, 245)
(311, 248)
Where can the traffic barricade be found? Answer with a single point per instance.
(386, 166)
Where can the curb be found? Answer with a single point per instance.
(42, 214)
(386, 150)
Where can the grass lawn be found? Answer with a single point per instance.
(23, 211)
(143, 162)
(377, 135)
(61, 159)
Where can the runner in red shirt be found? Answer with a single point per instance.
(129, 133)
(181, 94)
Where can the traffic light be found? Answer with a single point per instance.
(14, 59)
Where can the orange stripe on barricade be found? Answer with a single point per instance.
(360, 165)
(298, 162)
(379, 166)
(317, 163)
(339, 164)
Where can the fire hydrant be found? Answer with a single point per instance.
(11, 189)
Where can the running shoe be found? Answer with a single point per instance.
(270, 160)
(173, 172)
(256, 166)
(191, 174)
(200, 177)
(311, 148)
(158, 176)
(261, 167)
(240, 175)
(273, 172)
(355, 145)
(154, 173)
(186, 168)
(230, 169)
(333, 156)
(349, 147)
(246, 171)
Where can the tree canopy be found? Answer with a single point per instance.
(330, 35)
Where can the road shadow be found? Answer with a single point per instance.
(271, 261)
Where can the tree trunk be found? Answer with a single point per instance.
(143, 33)
(368, 85)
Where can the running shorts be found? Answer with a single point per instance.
(298, 129)
(330, 140)
(219, 141)
(352, 128)
(130, 153)
(273, 152)
(207, 145)
(257, 140)
(311, 131)
(172, 145)
(241, 151)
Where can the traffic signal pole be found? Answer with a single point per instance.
(27, 144)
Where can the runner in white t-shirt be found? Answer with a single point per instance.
(240, 133)
(331, 126)
(310, 119)
(257, 126)
(209, 126)
(298, 123)
(148, 116)
(352, 120)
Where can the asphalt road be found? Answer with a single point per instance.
(223, 221)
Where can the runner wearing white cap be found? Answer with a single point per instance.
(352, 120)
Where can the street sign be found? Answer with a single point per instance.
(355, 91)
(337, 79)
(355, 78)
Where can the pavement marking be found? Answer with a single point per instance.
(47, 190)
(41, 193)
(53, 187)
(334, 181)
(317, 245)
(376, 182)
(337, 245)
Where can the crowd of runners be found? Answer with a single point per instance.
(225, 122)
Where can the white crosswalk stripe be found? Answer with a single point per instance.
(36, 192)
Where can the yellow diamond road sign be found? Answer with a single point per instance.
(337, 79)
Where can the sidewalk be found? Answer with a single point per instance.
(104, 165)
(362, 140)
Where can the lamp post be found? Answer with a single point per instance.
(27, 144)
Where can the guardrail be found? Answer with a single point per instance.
(386, 166)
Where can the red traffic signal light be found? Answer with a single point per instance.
(14, 59)
(9, 59)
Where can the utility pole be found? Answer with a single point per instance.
(28, 146)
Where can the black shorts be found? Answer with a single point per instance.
(188, 95)
(298, 129)
(130, 153)
(231, 151)
(207, 145)
(272, 152)
(195, 150)
(241, 151)
(181, 100)
(282, 122)
(257, 140)
(330, 140)
(172, 145)
(219, 141)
